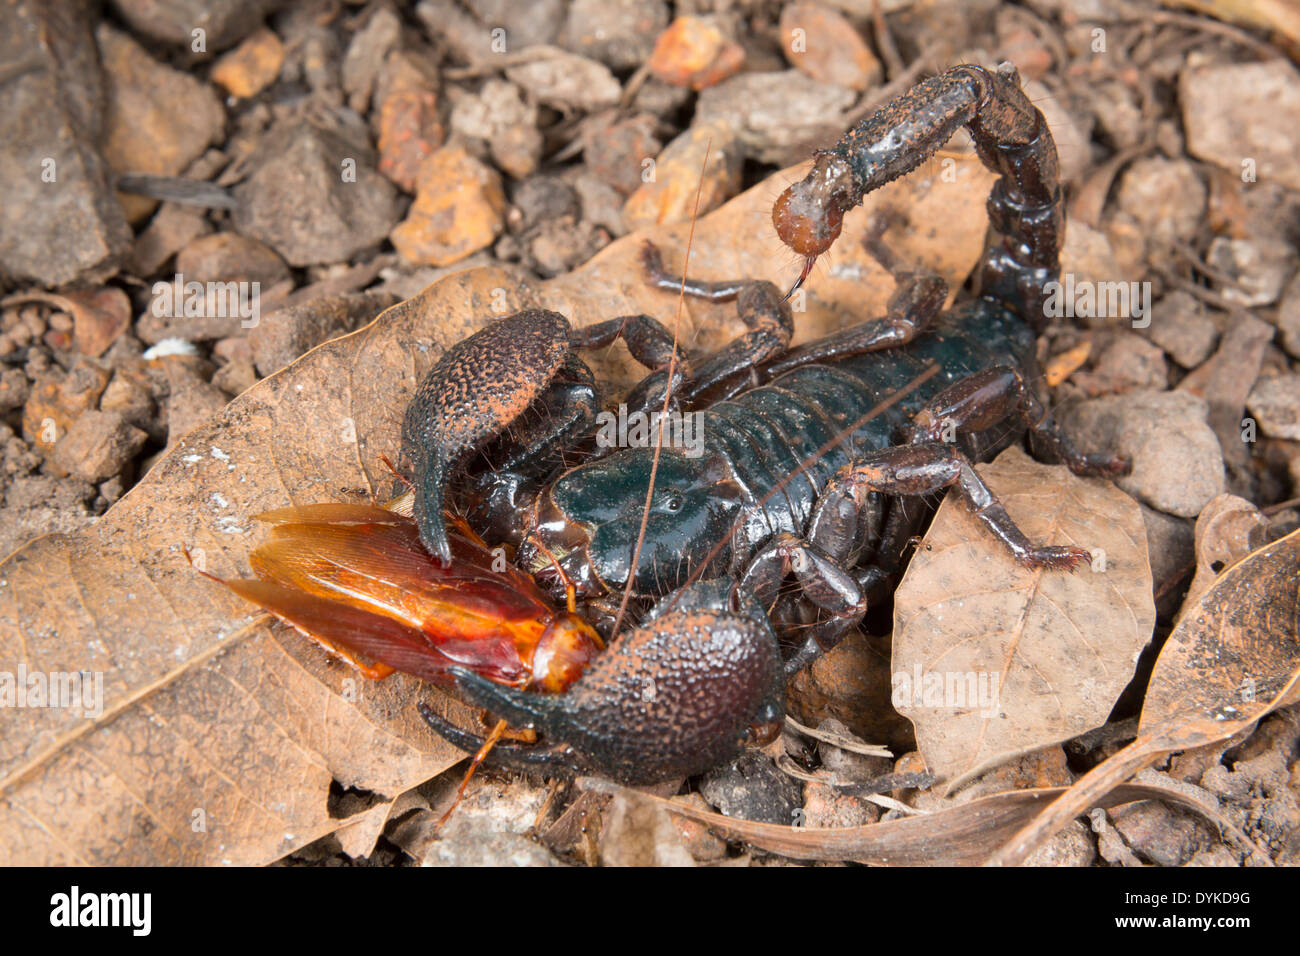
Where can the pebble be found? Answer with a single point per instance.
(637, 832)
(1258, 267)
(191, 400)
(1129, 362)
(1177, 462)
(775, 115)
(567, 81)
(409, 128)
(500, 116)
(314, 196)
(620, 150)
(1164, 835)
(224, 22)
(822, 43)
(54, 234)
(752, 788)
(171, 228)
(1238, 113)
(458, 210)
(1165, 196)
(825, 806)
(250, 67)
(366, 54)
(619, 33)
(156, 119)
(128, 396)
(14, 389)
(1072, 845)
(668, 188)
(98, 446)
(701, 843)
(1288, 318)
(1275, 403)
(696, 52)
(537, 21)
(1180, 326)
(230, 257)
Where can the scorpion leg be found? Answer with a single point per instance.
(822, 580)
(558, 759)
(983, 400)
(924, 468)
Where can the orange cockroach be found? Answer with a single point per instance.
(355, 579)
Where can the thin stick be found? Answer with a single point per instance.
(668, 395)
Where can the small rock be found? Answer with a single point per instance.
(661, 99)
(250, 67)
(775, 114)
(98, 446)
(14, 389)
(172, 227)
(641, 833)
(1237, 114)
(602, 206)
(1180, 326)
(823, 43)
(1164, 835)
(701, 843)
(223, 22)
(39, 505)
(409, 130)
(230, 257)
(618, 150)
(1288, 318)
(567, 81)
(669, 195)
(156, 119)
(62, 220)
(524, 23)
(849, 684)
(1129, 362)
(1071, 846)
(1275, 404)
(1087, 256)
(1258, 267)
(458, 210)
(1177, 462)
(1118, 113)
(1225, 784)
(697, 52)
(287, 333)
(235, 378)
(825, 806)
(314, 196)
(619, 33)
(367, 53)
(129, 397)
(1165, 196)
(500, 116)
(752, 788)
(1216, 856)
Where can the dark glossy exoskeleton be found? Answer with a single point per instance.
(812, 458)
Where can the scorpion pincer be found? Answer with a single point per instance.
(813, 465)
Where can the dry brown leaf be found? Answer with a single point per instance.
(963, 835)
(219, 736)
(992, 660)
(1227, 529)
(1233, 657)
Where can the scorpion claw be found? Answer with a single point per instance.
(477, 388)
(558, 759)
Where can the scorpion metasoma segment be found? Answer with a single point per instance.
(814, 464)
